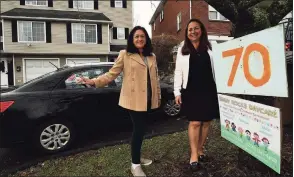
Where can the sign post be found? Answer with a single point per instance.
(252, 65)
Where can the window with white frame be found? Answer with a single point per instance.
(161, 16)
(215, 15)
(118, 3)
(84, 33)
(179, 21)
(154, 26)
(36, 2)
(83, 4)
(31, 31)
(120, 33)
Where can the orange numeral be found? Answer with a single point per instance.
(256, 82)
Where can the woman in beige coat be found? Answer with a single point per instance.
(140, 89)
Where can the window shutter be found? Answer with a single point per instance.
(99, 33)
(114, 33)
(1, 33)
(126, 33)
(22, 2)
(14, 30)
(48, 32)
(96, 5)
(70, 3)
(124, 3)
(111, 3)
(68, 32)
(50, 3)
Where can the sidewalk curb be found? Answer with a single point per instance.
(79, 150)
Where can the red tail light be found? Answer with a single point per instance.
(5, 105)
(287, 46)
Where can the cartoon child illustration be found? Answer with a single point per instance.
(240, 129)
(265, 143)
(248, 135)
(233, 127)
(256, 139)
(227, 124)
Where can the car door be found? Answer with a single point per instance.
(79, 103)
(120, 113)
(111, 112)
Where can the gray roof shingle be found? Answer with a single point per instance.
(57, 14)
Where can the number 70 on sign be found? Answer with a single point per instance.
(237, 52)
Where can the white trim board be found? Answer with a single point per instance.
(221, 38)
(13, 65)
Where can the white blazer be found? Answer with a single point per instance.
(182, 70)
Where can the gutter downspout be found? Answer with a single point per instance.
(190, 9)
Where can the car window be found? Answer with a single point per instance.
(72, 82)
(118, 81)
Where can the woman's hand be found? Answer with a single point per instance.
(86, 81)
(178, 100)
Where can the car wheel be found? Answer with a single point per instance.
(171, 108)
(54, 136)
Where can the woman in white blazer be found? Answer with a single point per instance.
(195, 88)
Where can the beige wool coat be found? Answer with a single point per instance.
(133, 95)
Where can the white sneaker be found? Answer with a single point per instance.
(138, 172)
(145, 161)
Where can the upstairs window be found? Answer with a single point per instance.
(215, 15)
(31, 31)
(84, 33)
(118, 3)
(120, 33)
(179, 21)
(83, 4)
(161, 16)
(36, 2)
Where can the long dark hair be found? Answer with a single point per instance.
(204, 44)
(131, 48)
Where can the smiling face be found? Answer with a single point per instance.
(194, 32)
(265, 141)
(139, 39)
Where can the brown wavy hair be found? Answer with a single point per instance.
(204, 44)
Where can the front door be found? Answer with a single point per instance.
(4, 72)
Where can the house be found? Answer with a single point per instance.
(36, 33)
(171, 17)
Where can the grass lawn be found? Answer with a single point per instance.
(170, 154)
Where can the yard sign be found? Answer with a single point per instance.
(254, 64)
(253, 127)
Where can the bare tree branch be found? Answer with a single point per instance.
(163, 46)
(245, 4)
(278, 10)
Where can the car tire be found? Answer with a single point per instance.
(54, 136)
(171, 109)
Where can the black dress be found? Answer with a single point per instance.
(200, 102)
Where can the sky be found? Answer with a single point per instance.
(142, 13)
